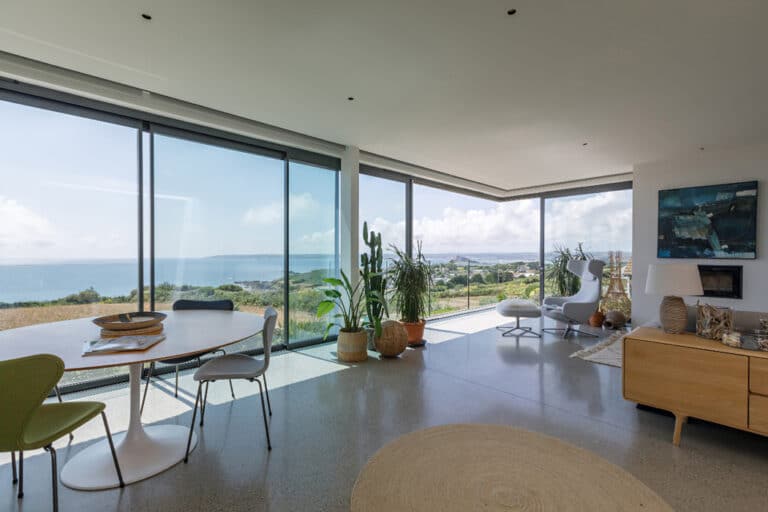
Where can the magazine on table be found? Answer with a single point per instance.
(121, 344)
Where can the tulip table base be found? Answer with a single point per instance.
(141, 451)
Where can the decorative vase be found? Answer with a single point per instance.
(393, 340)
(597, 319)
(614, 320)
(415, 333)
(352, 347)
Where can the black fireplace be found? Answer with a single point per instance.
(721, 280)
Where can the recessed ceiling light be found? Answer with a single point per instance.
(511, 12)
(702, 148)
(146, 16)
(584, 143)
(351, 98)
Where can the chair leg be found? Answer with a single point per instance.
(146, 386)
(54, 478)
(192, 424)
(15, 477)
(20, 494)
(204, 403)
(266, 392)
(112, 448)
(176, 388)
(264, 414)
(231, 389)
(58, 396)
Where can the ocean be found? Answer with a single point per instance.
(50, 281)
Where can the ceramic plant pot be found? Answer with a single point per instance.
(415, 333)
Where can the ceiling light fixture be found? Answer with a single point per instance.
(584, 143)
(351, 98)
(146, 16)
(511, 12)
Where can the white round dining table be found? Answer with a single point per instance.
(141, 451)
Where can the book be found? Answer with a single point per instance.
(122, 344)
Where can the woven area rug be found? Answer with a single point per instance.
(608, 351)
(470, 467)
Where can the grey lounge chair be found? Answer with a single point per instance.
(187, 305)
(236, 366)
(577, 309)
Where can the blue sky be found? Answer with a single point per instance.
(69, 193)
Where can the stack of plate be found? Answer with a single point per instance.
(140, 323)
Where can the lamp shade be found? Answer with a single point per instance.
(673, 279)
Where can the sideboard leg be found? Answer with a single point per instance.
(679, 420)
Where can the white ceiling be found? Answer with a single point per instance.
(453, 85)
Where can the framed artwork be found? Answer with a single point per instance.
(715, 221)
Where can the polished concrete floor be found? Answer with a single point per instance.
(329, 418)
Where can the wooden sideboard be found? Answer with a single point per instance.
(694, 377)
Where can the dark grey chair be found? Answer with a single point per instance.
(188, 305)
(236, 366)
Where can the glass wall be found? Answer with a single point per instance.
(68, 217)
(313, 246)
(218, 227)
(382, 205)
(597, 225)
(481, 251)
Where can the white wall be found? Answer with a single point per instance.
(701, 168)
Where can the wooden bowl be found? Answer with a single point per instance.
(130, 321)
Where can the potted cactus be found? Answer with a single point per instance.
(411, 277)
(374, 283)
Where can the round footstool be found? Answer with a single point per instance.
(517, 309)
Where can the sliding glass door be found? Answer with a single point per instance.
(218, 226)
(68, 218)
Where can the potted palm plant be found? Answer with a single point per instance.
(411, 278)
(349, 306)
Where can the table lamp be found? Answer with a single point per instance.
(673, 280)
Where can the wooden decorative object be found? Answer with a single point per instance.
(713, 322)
(147, 331)
(393, 340)
(130, 321)
(673, 314)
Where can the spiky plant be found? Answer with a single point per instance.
(564, 282)
(411, 279)
(374, 279)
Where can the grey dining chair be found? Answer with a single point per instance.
(236, 366)
(190, 305)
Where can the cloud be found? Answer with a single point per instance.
(300, 205)
(22, 231)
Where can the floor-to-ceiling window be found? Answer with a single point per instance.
(68, 217)
(218, 227)
(312, 245)
(597, 225)
(383, 207)
(481, 251)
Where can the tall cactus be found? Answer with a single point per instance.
(374, 279)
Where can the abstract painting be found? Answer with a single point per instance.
(716, 221)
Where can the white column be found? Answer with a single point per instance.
(349, 212)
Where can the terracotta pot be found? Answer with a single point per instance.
(597, 318)
(415, 332)
(352, 347)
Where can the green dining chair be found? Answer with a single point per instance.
(28, 424)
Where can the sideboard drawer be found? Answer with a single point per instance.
(700, 383)
(758, 375)
(758, 413)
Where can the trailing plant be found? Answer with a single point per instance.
(374, 280)
(564, 282)
(411, 279)
(349, 304)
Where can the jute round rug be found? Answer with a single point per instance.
(493, 467)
